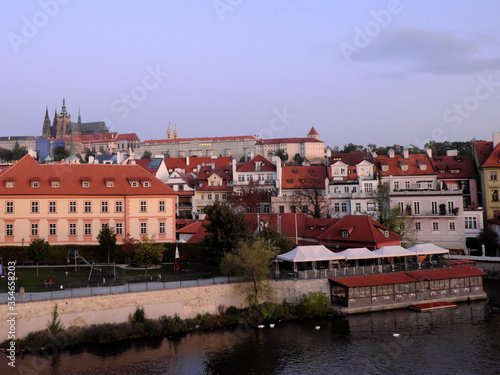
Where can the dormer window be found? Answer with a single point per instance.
(345, 234)
(134, 184)
(10, 184)
(85, 184)
(385, 168)
(386, 234)
(54, 184)
(110, 184)
(35, 184)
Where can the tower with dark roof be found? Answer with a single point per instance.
(46, 125)
(313, 134)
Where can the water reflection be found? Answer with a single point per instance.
(461, 341)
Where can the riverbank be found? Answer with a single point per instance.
(55, 337)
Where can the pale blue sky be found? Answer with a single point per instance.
(365, 72)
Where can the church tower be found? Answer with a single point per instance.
(176, 133)
(170, 133)
(46, 125)
(63, 121)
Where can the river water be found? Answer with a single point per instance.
(465, 340)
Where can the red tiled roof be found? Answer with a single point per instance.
(71, 179)
(287, 224)
(249, 166)
(446, 273)
(493, 160)
(313, 132)
(362, 229)
(314, 225)
(447, 163)
(204, 139)
(99, 137)
(296, 177)
(127, 137)
(370, 280)
(181, 163)
(482, 150)
(285, 140)
(144, 163)
(191, 227)
(397, 161)
(351, 158)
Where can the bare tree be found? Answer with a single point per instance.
(250, 199)
(310, 198)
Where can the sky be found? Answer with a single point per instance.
(366, 72)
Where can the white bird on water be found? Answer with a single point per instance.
(395, 334)
(318, 327)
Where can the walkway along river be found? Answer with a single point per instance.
(465, 340)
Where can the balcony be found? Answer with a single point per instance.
(424, 192)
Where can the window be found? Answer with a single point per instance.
(85, 184)
(396, 185)
(346, 189)
(241, 178)
(110, 184)
(368, 187)
(144, 228)
(72, 229)
(293, 209)
(345, 234)
(35, 184)
(161, 206)
(72, 206)
(216, 197)
(407, 185)
(493, 176)
(470, 222)
(430, 186)
(358, 207)
(418, 226)
(104, 225)
(119, 228)
(9, 207)
(211, 183)
(224, 196)
(34, 229)
(209, 196)
(52, 229)
(434, 208)
(354, 189)
(34, 207)
(88, 206)
(55, 184)
(450, 207)
(202, 197)
(162, 228)
(344, 207)
(304, 208)
(416, 208)
(401, 207)
(494, 195)
(9, 230)
(452, 225)
(104, 206)
(9, 184)
(118, 206)
(144, 206)
(282, 209)
(52, 207)
(88, 229)
(435, 225)
(336, 207)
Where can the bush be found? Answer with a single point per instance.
(139, 316)
(315, 304)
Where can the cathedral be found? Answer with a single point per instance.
(63, 127)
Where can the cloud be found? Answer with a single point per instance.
(423, 51)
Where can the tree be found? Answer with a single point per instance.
(5, 154)
(251, 262)
(18, 152)
(148, 253)
(351, 147)
(298, 159)
(310, 198)
(250, 199)
(146, 155)
(489, 239)
(129, 244)
(107, 240)
(282, 155)
(38, 251)
(381, 198)
(225, 229)
(60, 153)
(280, 241)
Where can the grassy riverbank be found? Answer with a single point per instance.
(139, 326)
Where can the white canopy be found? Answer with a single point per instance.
(358, 253)
(427, 248)
(309, 254)
(393, 251)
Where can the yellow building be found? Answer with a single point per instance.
(70, 203)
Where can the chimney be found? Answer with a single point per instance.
(118, 157)
(406, 153)
(391, 153)
(429, 153)
(496, 139)
(91, 159)
(187, 161)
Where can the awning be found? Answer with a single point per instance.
(393, 251)
(309, 254)
(358, 253)
(427, 248)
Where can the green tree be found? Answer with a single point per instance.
(381, 198)
(5, 154)
(18, 152)
(107, 240)
(148, 253)
(280, 241)
(60, 153)
(489, 239)
(38, 251)
(351, 147)
(251, 262)
(146, 155)
(282, 155)
(225, 229)
(298, 159)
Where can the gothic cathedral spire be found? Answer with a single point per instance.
(46, 125)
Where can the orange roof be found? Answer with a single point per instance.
(446, 273)
(191, 227)
(286, 140)
(351, 158)
(370, 280)
(72, 175)
(461, 163)
(127, 137)
(482, 150)
(362, 229)
(493, 160)
(313, 132)
(249, 166)
(191, 163)
(98, 137)
(204, 139)
(296, 177)
(412, 162)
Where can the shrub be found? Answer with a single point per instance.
(315, 304)
(139, 316)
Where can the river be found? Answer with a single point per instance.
(465, 340)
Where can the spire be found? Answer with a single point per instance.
(79, 116)
(72, 158)
(46, 125)
(170, 133)
(47, 112)
(63, 109)
(176, 133)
